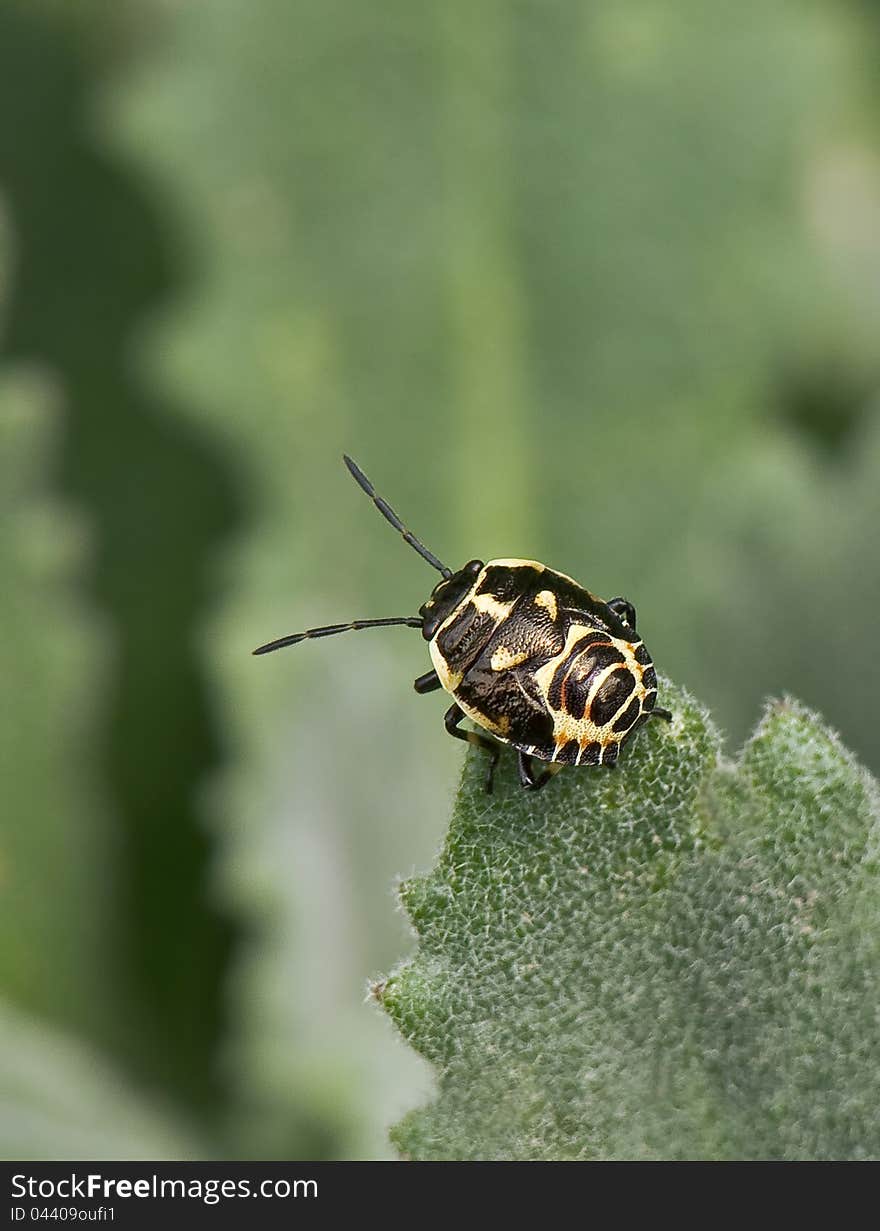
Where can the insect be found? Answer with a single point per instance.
(532, 658)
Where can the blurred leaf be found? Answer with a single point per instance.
(783, 584)
(679, 960)
(59, 1099)
(56, 847)
(93, 257)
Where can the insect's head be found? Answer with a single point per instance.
(446, 596)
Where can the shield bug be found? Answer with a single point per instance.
(532, 658)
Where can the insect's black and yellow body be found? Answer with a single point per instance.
(531, 657)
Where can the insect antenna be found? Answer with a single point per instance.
(390, 516)
(330, 630)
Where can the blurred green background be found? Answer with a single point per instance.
(597, 283)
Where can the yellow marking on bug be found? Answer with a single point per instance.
(500, 728)
(579, 730)
(547, 600)
(449, 679)
(583, 748)
(503, 658)
(488, 604)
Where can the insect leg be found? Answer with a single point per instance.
(452, 718)
(657, 712)
(527, 773)
(623, 607)
(429, 682)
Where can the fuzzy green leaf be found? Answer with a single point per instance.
(675, 960)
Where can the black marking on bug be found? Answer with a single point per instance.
(628, 717)
(568, 753)
(465, 633)
(531, 657)
(611, 696)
